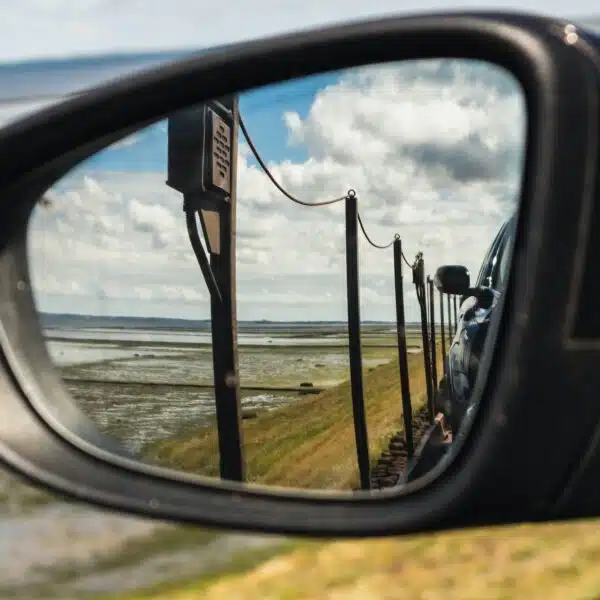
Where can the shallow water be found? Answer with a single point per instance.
(192, 337)
(73, 353)
(137, 416)
(142, 413)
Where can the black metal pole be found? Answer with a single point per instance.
(402, 351)
(443, 332)
(450, 334)
(216, 207)
(428, 314)
(434, 374)
(224, 333)
(455, 313)
(356, 379)
(419, 281)
(427, 310)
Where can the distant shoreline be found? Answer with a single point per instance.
(71, 320)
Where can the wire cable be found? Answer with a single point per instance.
(268, 173)
(209, 277)
(273, 180)
(409, 265)
(360, 222)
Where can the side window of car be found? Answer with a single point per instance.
(484, 270)
(484, 279)
(504, 255)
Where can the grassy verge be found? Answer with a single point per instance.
(240, 563)
(310, 443)
(535, 562)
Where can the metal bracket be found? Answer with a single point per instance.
(207, 272)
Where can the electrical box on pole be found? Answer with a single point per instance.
(200, 150)
(202, 160)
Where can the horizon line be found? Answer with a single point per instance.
(208, 319)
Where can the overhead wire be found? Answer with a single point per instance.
(408, 264)
(273, 180)
(360, 222)
(268, 173)
(379, 247)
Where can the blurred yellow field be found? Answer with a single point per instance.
(549, 562)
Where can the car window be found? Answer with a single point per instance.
(485, 273)
(504, 256)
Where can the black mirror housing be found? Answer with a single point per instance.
(452, 279)
(476, 483)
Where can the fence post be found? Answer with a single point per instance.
(419, 281)
(356, 379)
(434, 373)
(455, 314)
(443, 331)
(450, 332)
(402, 352)
(427, 308)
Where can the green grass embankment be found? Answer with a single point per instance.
(309, 443)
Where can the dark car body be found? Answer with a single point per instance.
(473, 320)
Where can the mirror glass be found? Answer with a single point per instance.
(317, 213)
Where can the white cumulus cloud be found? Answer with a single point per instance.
(433, 149)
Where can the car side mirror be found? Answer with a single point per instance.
(452, 279)
(484, 296)
(323, 449)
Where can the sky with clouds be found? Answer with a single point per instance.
(433, 149)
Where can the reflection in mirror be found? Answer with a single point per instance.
(320, 222)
